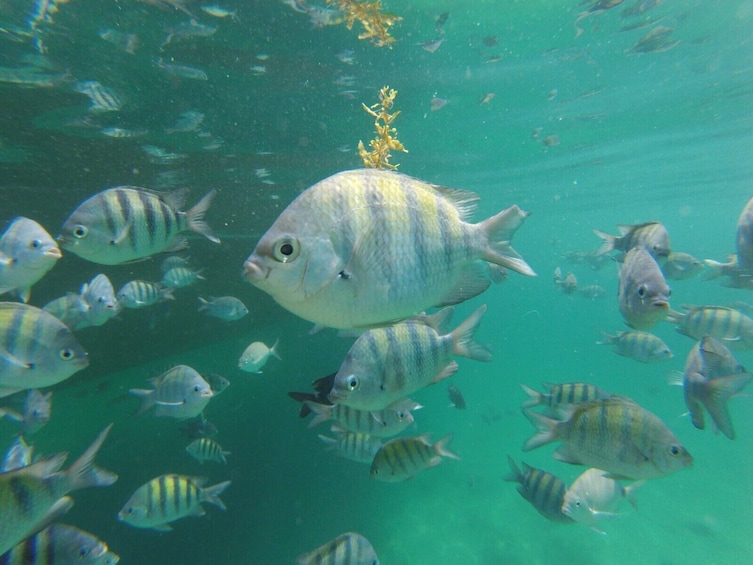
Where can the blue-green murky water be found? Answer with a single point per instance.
(663, 135)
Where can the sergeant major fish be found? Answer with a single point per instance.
(402, 458)
(353, 446)
(60, 544)
(651, 235)
(728, 325)
(180, 392)
(123, 224)
(383, 423)
(387, 364)
(36, 412)
(227, 308)
(643, 293)
(378, 246)
(559, 397)
(543, 490)
(641, 346)
(140, 294)
(349, 548)
(206, 449)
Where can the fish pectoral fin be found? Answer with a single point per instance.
(124, 232)
(11, 415)
(450, 369)
(562, 453)
(162, 527)
(197, 511)
(11, 359)
(163, 403)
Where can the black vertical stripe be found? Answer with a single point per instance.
(151, 218)
(163, 495)
(127, 210)
(22, 495)
(30, 550)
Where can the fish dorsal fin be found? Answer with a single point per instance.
(464, 201)
(176, 199)
(437, 321)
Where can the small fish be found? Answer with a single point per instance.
(255, 356)
(160, 156)
(346, 56)
(382, 423)
(681, 266)
(346, 549)
(219, 12)
(651, 235)
(189, 121)
(168, 498)
(140, 294)
(486, 98)
(543, 490)
(712, 376)
(101, 98)
(613, 434)
(61, 544)
(592, 291)
(199, 428)
(352, 446)
(180, 277)
(456, 397)
(387, 364)
(655, 41)
(567, 284)
(402, 458)
(126, 42)
(730, 326)
(206, 449)
(361, 273)
(226, 308)
(27, 253)
(30, 494)
(19, 455)
(101, 302)
(641, 346)
(123, 224)
(36, 349)
(643, 293)
(172, 262)
(322, 386)
(180, 392)
(122, 133)
(440, 21)
(217, 383)
(559, 397)
(36, 412)
(187, 30)
(595, 496)
(180, 70)
(69, 309)
(432, 45)
(590, 258)
(437, 103)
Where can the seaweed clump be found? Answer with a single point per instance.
(375, 23)
(386, 139)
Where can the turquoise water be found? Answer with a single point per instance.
(655, 136)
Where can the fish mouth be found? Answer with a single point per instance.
(660, 303)
(207, 393)
(254, 271)
(53, 252)
(334, 396)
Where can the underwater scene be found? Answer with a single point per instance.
(357, 282)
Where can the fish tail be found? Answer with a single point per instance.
(716, 394)
(203, 304)
(331, 443)
(442, 447)
(714, 270)
(195, 217)
(609, 339)
(630, 492)
(322, 413)
(535, 398)
(499, 230)
(607, 244)
(515, 475)
(83, 473)
(147, 399)
(212, 494)
(674, 317)
(547, 430)
(273, 349)
(462, 338)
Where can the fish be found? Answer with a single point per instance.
(643, 293)
(655, 41)
(592, 291)
(437, 103)
(614, 434)
(255, 356)
(456, 397)
(126, 42)
(440, 21)
(18, 456)
(180, 392)
(545, 491)
(651, 235)
(99, 296)
(69, 309)
(681, 266)
(322, 386)
(180, 277)
(60, 544)
(219, 12)
(172, 261)
(349, 548)
(402, 458)
(379, 246)
(346, 56)
(641, 346)
(711, 377)
(432, 44)
(382, 423)
(567, 284)
(167, 498)
(124, 224)
(728, 325)
(101, 98)
(206, 449)
(36, 349)
(190, 120)
(387, 364)
(29, 495)
(559, 397)
(36, 412)
(140, 294)
(179, 70)
(217, 383)
(353, 446)
(27, 253)
(227, 308)
(594, 496)
(187, 30)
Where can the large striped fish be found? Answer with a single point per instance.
(402, 458)
(127, 223)
(730, 326)
(346, 549)
(367, 247)
(168, 498)
(60, 544)
(36, 349)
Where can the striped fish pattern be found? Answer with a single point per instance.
(168, 498)
(387, 364)
(60, 544)
(382, 423)
(543, 490)
(125, 223)
(402, 458)
(38, 350)
(360, 448)
(180, 392)
(377, 246)
(559, 396)
(101, 98)
(728, 325)
(641, 346)
(206, 449)
(346, 549)
(614, 434)
(651, 235)
(140, 294)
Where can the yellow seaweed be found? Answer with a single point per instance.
(375, 23)
(386, 139)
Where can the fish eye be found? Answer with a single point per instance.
(675, 450)
(352, 382)
(196, 388)
(577, 503)
(286, 249)
(66, 354)
(83, 551)
(36, 244)
(80, 232)
(642, 290)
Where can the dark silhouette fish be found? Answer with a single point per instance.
(456, 397)
(322, 386)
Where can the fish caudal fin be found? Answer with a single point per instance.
(322, 412)
(500, 230)
(515, 475)
(84, 473)
(195, 217)
(609, 339)
(442, 447)
(147, 399)
(462, 338)
(607, 243)
(212, 494)
(535, 398)
(546, 430)
(716, 394)
(273, 349)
